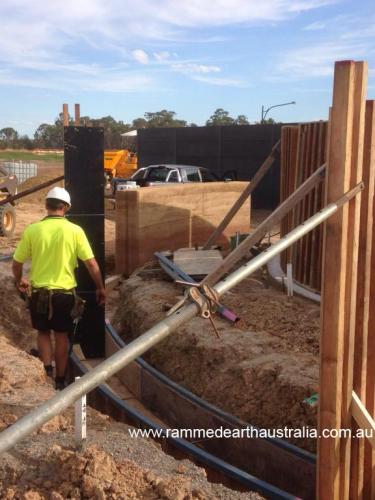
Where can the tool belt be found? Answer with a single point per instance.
(44, 304)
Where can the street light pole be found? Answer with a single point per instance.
(264, 113)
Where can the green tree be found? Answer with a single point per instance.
(24, 142)
(9, 137)
(139, 123)
(268, 121)
(112, 131)
(49, 136)
(220, 117)
(241, 120)
(163, 118)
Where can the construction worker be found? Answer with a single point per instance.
(53, 245)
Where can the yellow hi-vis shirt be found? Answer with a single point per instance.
(53, 245)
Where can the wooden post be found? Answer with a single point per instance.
(363, 294)
(352, 242)
(65, 115)
(365, 362)
(77, 115)
(339, 283)
(289, 279)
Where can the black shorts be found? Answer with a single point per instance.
(61, 321)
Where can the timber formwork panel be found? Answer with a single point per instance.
(359, 464)
(339, 259)
(345, 470)
(303, 151)
(363, 461)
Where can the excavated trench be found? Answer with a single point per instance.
(47, 465)
(260, 371)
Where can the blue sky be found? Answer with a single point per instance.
(125, 58)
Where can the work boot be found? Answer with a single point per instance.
(60, 383)
(49, 370)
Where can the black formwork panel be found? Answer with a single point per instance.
(199, 146)
(84, 179)
(237, 150)
(244, 149)
(159, 146)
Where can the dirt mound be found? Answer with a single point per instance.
(15, 318)
(260, 375)
(91, 474)
(38, 196)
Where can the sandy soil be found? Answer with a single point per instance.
(260, 371)
(47, 465)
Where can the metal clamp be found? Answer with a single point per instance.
(205, 297)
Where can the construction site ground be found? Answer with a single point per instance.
(47, 464)
(260, 370)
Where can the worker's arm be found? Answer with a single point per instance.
(93, 269)
(22, 283)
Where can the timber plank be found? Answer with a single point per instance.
(334, 283)
(367, 372)
(354, 212)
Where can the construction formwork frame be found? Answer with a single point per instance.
(346, 465)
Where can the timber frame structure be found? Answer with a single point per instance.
(346, 465)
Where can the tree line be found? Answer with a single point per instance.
(50, 136)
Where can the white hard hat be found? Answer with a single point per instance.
(59, 193)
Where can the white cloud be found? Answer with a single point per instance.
(316, 26)
(223, 12)
(334, 23)
(161, 56)
(192, 68)
(140, 56)
(44, 26)
(66, 40)
(222, 82)
(105, 80)
(346, 37)
(317, 60)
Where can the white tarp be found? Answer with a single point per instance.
(132, 133)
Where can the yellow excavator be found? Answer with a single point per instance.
(119, 163)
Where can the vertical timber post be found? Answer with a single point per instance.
(340, 259)
(65, 115)
(84, 179)
(354, 214)
(77, 114)
(363, 294)
(366, 365)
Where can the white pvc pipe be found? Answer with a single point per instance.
(275, 271)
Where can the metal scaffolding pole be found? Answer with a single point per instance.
(37, 417)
